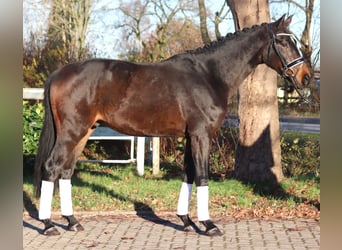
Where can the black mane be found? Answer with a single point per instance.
(221, 40)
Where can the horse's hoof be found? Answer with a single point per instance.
(211, 228)
(189, 228)
(76, 227)
(213, 232)
(51, 231)
(189, 225)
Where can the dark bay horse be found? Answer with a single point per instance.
(185, 95)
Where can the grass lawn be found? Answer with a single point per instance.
(118, 188)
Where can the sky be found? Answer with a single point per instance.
(105, 38)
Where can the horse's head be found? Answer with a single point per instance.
(284, 55)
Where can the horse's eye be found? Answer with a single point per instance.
(282, 42)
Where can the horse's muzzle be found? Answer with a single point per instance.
(306, 80)
(303, 76)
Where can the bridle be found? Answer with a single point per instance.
(287, 71)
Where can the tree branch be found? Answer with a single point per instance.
(290, 1)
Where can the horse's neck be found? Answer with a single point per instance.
(236, 59)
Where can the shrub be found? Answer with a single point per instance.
(32, 124)
(300, 154)
(222, 153)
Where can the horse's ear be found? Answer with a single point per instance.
(288, 21)
(282, 22)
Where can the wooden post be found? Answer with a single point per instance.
(140, 155)
(155, 155)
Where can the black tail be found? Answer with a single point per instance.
(47, 139)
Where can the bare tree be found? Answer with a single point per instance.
(217, 19)
(220, 16)
(60, 41)
(258, 157)
(152, 41)
(68, 23)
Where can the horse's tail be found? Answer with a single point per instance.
(47, 138)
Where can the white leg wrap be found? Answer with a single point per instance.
(46, 194)
(203, 203)
(184, 199)
(65, 195)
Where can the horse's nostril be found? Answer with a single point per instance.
(306, 80)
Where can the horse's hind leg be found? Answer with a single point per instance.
(44, 213)
(65, 188)
(52, 169)
(60, 163)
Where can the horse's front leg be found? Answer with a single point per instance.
(200, 147)
(196, 169)
(186, 189)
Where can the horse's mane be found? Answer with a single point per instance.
(221, 40)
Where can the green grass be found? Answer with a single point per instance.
(118, 188)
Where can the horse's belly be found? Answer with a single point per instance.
(144, 122)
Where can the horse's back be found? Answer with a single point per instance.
(140, 99)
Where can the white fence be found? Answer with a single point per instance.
(104, 133)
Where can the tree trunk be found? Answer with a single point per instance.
(203, 22)
(306, 38)
(258, 157)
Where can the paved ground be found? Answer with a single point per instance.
(165, 232)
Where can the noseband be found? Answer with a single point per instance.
(287, 70)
